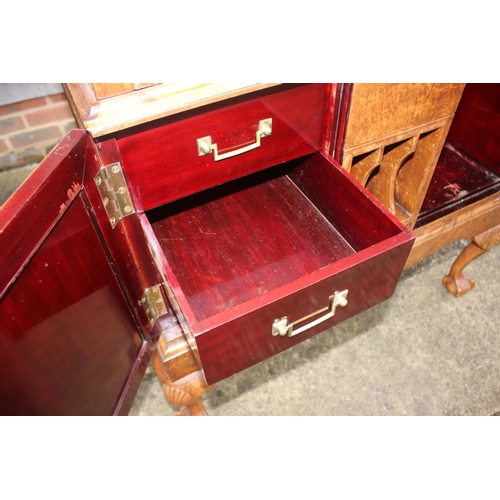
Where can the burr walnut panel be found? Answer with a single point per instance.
(381, 110)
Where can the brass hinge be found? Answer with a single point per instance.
(153, 303)
(114, 192)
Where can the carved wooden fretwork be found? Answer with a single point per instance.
(398, 169)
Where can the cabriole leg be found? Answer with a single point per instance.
(178, 370)
(456, 282)
(185, 393)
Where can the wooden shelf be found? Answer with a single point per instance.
(458, 181)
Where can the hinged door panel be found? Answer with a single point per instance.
(69, 344)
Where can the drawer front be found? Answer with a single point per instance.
(249, 339)
(163, 163)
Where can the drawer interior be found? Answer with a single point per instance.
(239, 241)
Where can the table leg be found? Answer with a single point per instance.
(185, 393)
(456, 282)
(179, 370)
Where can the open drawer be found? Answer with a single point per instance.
(259, 264)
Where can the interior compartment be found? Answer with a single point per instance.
(237, 242)
(468, 169)
(458, 181)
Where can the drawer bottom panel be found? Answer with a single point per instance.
(242, 240)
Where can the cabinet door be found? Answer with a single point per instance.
(69, 344)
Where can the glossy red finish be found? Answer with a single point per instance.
(161, 160)
(476, 126)
(30, 207)
(340, 119)
(127, 243)
(458, 181)
(237, 243)
(67, 338)
(134, 380)
(469, 166)
(234, 243)
(240, 255)
(68, 342)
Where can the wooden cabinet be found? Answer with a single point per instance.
(430, 153)
(257, 265)
(463, 199)
(209, 227)
(393, 138)
(69, 344)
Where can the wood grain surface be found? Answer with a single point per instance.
(281, 241)
(68, 341)
(162, 162)
(380, 110)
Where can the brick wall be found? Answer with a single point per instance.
(30, 129)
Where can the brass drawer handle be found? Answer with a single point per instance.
(205, 146)
(282, 327)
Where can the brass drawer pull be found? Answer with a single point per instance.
(205, 146)
(282, 327)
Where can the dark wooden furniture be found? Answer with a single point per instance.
(209, 227)
(68, 342)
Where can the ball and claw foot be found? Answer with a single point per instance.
(458, 285)
(456, 282)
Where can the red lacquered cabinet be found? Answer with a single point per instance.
(207, 227)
